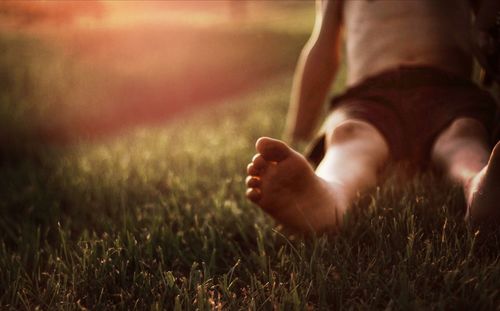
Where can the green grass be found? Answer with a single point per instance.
(157, 219)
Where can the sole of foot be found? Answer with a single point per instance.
(283, 184)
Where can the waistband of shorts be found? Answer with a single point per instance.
(408, 78)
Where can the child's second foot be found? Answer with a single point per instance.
(484, 194)
(283, 184)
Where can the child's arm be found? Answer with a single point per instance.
(487, 37)
(315, 71)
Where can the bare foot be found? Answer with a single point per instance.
(283, 184)
(483, 197)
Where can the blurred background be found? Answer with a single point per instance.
(73, 70)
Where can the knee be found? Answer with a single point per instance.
(358, 140)
(465, 127)
(351, 131)
(461, 131)
(462, 134)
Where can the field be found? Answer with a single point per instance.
(154, 216)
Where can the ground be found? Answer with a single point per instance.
(157, 218)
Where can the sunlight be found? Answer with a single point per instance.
(117, 64)
(131, 14)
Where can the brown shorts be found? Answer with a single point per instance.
(410, 106)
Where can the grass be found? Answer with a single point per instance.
(156, 219)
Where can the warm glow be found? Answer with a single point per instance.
(129, 62)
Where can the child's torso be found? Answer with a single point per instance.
(384, 34)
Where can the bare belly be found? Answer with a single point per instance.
(381, 35)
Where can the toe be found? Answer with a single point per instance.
(259, 162)
(253, 182)
(252, 170)
(272, 149)
(253, 194)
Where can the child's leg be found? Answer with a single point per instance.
(282, 182)
(463, 152)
